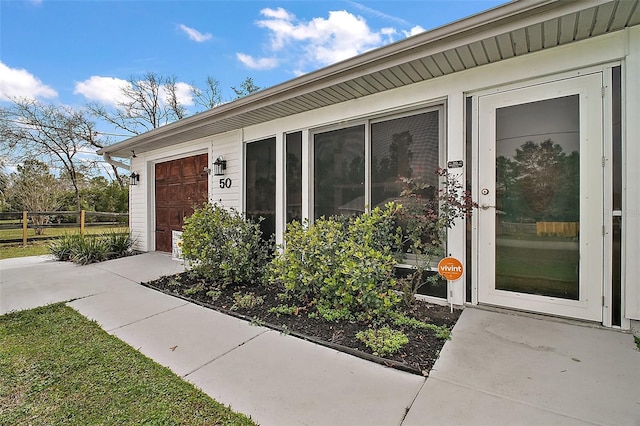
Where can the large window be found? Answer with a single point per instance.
(338, 171)
(261, 184)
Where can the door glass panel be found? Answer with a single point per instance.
(538, 198)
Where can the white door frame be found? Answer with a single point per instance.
(589, 306)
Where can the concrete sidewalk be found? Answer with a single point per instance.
(499, 368)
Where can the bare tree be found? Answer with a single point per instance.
(149, 101)
(210, 96)
(62, 136)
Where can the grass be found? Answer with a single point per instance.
(10, 234)
(57, 367)
(34, 248)
(637, 342)
(38, 245)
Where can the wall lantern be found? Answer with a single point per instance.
(219, 166)
(134, 179)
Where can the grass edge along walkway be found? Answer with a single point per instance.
(57, 367)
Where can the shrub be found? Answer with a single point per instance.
(90, 249)
(441, 331)
(62, 248)
(246, 300)
(343, 266)
(223, 246)
(383, 341)
(119, 243)
(85, 249)
(425, 217)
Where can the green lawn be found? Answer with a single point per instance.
(35, 248)
(57, 367)
(38, 245)
(9, 234)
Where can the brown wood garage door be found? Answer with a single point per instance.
(180, 185)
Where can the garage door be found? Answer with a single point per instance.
(180, 185)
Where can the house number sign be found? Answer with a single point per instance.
(225, 183)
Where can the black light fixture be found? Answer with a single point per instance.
(134, 179)
(219, 166)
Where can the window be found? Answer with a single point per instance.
(294, 176)
(338, 172)
(261, 184)
(406, 147)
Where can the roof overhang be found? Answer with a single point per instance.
(514, 29)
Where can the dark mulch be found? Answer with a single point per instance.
(418, 356)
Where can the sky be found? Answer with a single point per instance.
(76, 52)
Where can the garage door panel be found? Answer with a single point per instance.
(190, 167)
(175, 219)
(175, 193)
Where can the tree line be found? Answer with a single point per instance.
(51, 146)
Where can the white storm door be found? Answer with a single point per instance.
(540, 182)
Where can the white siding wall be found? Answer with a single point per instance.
(137, 204)
(631, 177)
(229, 146)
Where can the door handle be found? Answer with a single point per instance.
(487, 207)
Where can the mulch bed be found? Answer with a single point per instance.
(417, 357)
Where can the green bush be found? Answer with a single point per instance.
(342, 266)
(224, 247)
(383, 341)
(441, 331)
(62, 248)
(427, 214)
(90, 249)
(85, 249)
(246, 300)
(118, 243)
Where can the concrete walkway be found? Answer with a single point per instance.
(499, 368)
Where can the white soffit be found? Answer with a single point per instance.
(515, 29)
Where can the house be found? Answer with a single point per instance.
(535, 105)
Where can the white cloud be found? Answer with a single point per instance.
(183, 93)
(278, 13)
(21, 83)
(415, 30)
(194, 34)
(317, 42)
(257, 64)
(106, 90)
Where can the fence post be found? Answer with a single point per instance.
(24, 228)
(81, 222)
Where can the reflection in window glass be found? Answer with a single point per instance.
(294, 176)
(404, 147)
(538, 197)
(338, 172)
(261, 184)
